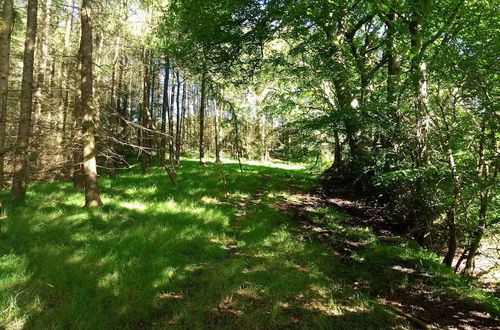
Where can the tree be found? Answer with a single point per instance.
(203, 102)
(20, 178)
(92, 196)
(5, 37)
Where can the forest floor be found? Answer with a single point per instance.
(260, 249)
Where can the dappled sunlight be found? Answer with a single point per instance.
(134, 206)
(184, 256)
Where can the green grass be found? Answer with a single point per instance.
(156, 256)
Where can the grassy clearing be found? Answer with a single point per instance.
(156, 256)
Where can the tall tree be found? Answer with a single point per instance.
(203, 101)
(171, 146)
(146, 142)
(92, 196)
(43, 44)
(5, 35)
(164, 112)
(178, 120)
(19, 183)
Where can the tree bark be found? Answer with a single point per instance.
(171, 146)
(347, 102)
(145, 118)
(78, 175)
(478, 234)
(418, 72)
(178, 120)
(5, 36)
(202, 117)
(114, 104)
(217, 133)
(164, 112)
(393, 82)
(452, 212)
(64, 86)
(44, 53)
(183, 117)
(19, 183)
(92, 196)
(40, 83)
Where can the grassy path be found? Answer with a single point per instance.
(193, 257)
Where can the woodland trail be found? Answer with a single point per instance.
(419, 300)
(263, 249)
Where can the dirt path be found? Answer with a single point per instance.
(420, 297)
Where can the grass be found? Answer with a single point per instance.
(160, 257)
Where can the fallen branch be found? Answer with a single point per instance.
(171, 175)
(421, 324)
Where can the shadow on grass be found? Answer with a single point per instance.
(161, 257)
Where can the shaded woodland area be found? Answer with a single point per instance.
(201, 163)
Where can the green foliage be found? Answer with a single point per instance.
(162, 257)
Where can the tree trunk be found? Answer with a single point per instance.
(113, 104)
(44, 53)
(92, 196)
(42, 70)
(420, 99)
(478, 234)
(5, 36)
(145, 118)
(178, 121)
(265, 136)
(217, 133)
(183, 117)
(347, 103)
(164, 112)
(452, 212)
(238, 140)
(64, 86)
(171, 145)
(484, 197)
(202, 117)
(393, 81)
(19, 183)
(78, 175)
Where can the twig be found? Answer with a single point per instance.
(421, 324)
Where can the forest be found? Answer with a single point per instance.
(253, 164)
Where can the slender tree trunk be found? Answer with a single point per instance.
(337, 162)
(263, 139)
(171, 145)
(419, 85)
(217, 133)
(183, 117)
(202, 117)
(145, 118)
(238, 139)
(478, 234)
(78, 175)
(113, 105)
(65, 86)
(152, 85)
(164, 112)
(452, 212)
(92, 196)
(5, 36)
(178, 120)
(393, 81)
(19, 183)
(42, 70)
